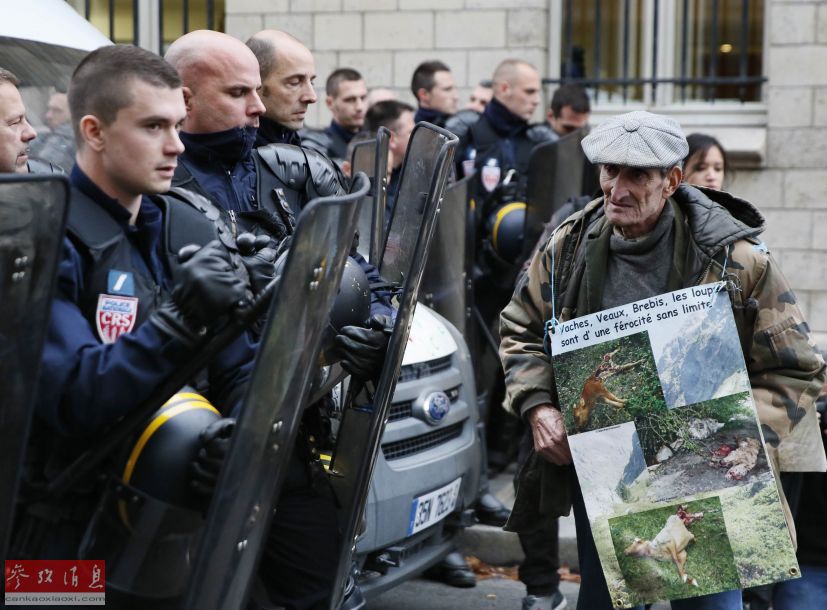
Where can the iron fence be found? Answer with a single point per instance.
(744, 85)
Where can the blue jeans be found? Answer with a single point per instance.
(809, 591)
(594, 593)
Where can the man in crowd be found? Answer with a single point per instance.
(347, 101)
(58, 144)
(287, 74)
(379, 94)
(398, 117)
(221, 81)
(436, 94)
(569, 111)
(127, 105)
(16, 133)
(480, 97)
(645, 236)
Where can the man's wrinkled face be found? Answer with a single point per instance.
(443, 96)
(15, 131)
(57, 111)
(350, 104)
(522, 95)
(141, 146)
(568, 121)
(288, 90)
(400, 136)
(634, 196)
(225, 96)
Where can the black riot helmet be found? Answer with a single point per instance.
(506, 229)
(350, 308)
(159, 462)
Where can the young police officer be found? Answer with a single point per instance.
(127, 105)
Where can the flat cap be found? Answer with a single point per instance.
(637, 139)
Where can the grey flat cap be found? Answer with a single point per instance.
(637, 139)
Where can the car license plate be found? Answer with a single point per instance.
(433, 506)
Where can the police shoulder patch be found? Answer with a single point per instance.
(115, 315)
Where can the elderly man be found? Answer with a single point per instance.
(347, 101)
(648, 235)
(433, 87)
(15, 131)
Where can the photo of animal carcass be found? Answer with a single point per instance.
(608, 384)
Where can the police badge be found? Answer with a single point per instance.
(114, 316)
(491, 175)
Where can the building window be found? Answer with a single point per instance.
(660, 52)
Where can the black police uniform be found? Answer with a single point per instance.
(262, 191)
(331, 141)
(103, 357)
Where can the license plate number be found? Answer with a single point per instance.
(433, 506)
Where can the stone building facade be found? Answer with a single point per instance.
(779, 144)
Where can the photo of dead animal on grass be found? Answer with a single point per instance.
(677, 551)
(704, 447)
(608, 384)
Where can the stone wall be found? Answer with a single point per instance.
(386, 39)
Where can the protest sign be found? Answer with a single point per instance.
(668, 449)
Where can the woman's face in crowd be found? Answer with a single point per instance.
(706, 170)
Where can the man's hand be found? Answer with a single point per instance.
(363, 349)
(206, 287)
(549, 431)
(215, 442)
(258, 258)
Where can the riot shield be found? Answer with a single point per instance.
(371, 157)
(556, 171)
(32, 219)
(425, 171)
(240, 511)
(447, 270)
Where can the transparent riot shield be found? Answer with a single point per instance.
(371, 157)
(556, 171)
(447, 271)
(32, 219)
(240, 511)
(425, 172)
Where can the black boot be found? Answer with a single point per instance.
(490, 511)
(454, 571)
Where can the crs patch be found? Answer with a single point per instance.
(490, 175)
(115, 316)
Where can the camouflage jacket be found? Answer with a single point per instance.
(712, 229)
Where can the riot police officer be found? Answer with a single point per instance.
(436, 94)
(16, 133)
(347, 101)
(263, 190)
(128, 310)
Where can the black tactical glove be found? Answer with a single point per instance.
(206, 288)
(363, 349)
(259, 259)
(215, 442)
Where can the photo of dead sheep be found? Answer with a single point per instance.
(700, 448)
(608, 384)
(677, 551)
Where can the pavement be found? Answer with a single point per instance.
(495, 547)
